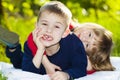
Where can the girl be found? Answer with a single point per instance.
(98, 44)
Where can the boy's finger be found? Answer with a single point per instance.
(57, 67)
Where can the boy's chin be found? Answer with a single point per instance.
(47, 44)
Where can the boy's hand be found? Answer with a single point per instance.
(52, 68)
(59, 75)
(37, 59)
(37, 38)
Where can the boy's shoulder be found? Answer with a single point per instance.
(71, 40)
(72, 44)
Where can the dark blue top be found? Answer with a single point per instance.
(71, 58)
(15, 57)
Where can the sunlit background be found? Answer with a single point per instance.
(20, 16)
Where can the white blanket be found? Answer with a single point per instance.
(17, 74)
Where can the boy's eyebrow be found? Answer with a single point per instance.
(44, 20)
(47, 21)
(59, 23)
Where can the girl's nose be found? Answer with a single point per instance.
(84, 39)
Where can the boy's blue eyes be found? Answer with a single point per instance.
(46, 25)
(57, 27)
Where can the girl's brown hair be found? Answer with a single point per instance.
(99, 55)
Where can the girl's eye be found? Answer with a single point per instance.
(87, 45)
(90, 35)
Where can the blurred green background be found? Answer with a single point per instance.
(20, 16)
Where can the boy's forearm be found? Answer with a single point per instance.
(38, 58)
(49, 67)
(45, 61)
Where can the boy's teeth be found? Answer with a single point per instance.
(46, 37)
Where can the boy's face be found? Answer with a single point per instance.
(52, 27)
(88, 37)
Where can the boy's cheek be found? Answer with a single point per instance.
(66, 33)
(40, 33)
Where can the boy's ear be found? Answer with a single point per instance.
(35, 24)
(67, 31)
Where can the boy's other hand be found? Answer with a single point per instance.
(59, 75)
(52, 68)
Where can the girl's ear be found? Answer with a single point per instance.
(67, 31)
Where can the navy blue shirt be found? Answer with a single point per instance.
(71, 58)
(15, 57)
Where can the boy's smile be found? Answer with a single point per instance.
(52, 28)
(47, 37)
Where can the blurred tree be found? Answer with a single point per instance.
(1, 12)
(18, 15)
(88, 4)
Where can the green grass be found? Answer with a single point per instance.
(2, 77)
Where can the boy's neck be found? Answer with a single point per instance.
(52, 49)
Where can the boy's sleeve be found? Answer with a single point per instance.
(78, 61)
(15, 57)
(27, 64)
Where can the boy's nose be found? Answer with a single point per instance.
(49, 30)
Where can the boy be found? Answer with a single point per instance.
(53, 20)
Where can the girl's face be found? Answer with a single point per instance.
(88, 37)
(52, 27)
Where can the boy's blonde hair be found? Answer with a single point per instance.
(99, 55)
(57, 8)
